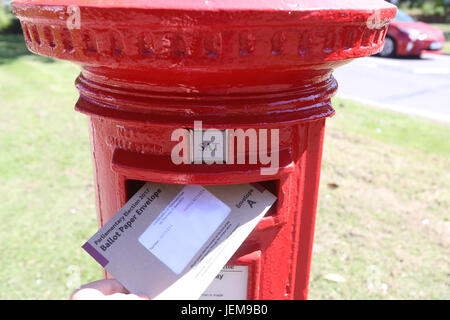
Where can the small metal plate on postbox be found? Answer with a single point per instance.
(208, 146)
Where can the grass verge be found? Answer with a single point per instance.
(46, 195)
(382, 221)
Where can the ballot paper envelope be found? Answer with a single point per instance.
(170, 241)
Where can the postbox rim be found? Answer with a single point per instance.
(162, 36)
(213, 5)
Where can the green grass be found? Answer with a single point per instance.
(446, 48)
(384, 229)
(5, 18)
(393, 128)
(46, 195)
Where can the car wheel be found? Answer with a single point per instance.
(389, 48)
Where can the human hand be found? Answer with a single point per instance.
(107, 289)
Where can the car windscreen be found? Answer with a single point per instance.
(402, 16)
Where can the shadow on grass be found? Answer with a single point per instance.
(12, 47)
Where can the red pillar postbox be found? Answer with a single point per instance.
(151, 67)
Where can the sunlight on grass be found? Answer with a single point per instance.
(385, 228)
(46, 195)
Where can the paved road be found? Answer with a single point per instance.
(415, 86)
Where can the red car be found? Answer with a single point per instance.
(406, 37)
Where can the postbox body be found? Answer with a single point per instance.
(278, 251)
(151, 68)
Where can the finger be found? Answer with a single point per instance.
(98, 288)
(123, 296)
(87, 294)
(93, 294)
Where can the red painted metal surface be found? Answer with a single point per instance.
(150, 67)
